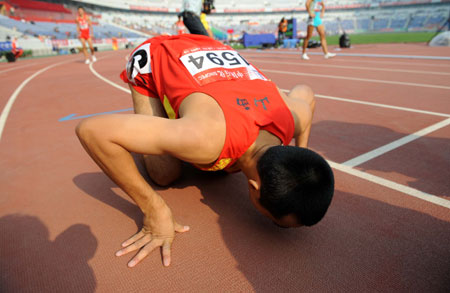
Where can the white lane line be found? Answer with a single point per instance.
(392, 185)
(395, 144)
(297, 57)
(17, 67)
(12, 99)
(351, 67)
(91, 67)
(358, 79)
(379, 105)
(368, 55)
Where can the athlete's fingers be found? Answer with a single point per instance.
(135, 246)
(144, 252)
(166, 253)
(133, 238)
(180, 229)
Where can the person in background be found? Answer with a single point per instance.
(16, 50)
(191, 17)
(84, 27)
(179, 25)
(315, 21)
(282, 29)
(207, 7)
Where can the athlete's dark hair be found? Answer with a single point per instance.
(295, 181)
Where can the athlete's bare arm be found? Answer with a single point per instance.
(197, 137)
(322, 11)
(78, 27)
(89, 23)
(301, 102)
(308, 4)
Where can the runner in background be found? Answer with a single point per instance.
(84, 27)
(315, 21)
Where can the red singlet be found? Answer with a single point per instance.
(84, 27)
(172, 67)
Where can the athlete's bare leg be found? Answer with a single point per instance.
(91, 47)
(309, 34)
(323, 39)
(304, 93)
(83, 43)
(162, 169)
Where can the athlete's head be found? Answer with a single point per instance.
(81, 11)
(296, 186)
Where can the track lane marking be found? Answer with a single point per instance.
(379, 105)
(395, 144)
(414, 57)
(298, 55)
(357, 79)
(17, 67)
(392, 185)
(91, 67)
(351, 67)
(7, 109)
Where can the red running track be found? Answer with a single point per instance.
(388, 228)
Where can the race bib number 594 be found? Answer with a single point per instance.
(219, 65)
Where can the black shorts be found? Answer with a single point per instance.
(193, 23)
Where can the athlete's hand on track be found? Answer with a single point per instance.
(158, 231)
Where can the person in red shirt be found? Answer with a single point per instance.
(181, 29)
(84, 27)
(16, 50)
(199, 101)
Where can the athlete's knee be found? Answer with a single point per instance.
(89, 131)
(305, 93)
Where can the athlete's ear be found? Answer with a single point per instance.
(253, 184)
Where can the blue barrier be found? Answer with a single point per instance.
(5, 46)
(258, 39)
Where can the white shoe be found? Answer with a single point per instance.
(305, 57)
(329, 55)
(94, 59)
(87, 61)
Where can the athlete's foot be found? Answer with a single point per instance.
(305, 57)
(87, 61)
(94, 59)
(329, 55)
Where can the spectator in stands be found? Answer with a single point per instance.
(315, 21)
(179, 25)
(191, 17)
(282, 29)
(84, 27)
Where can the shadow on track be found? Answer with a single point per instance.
(30, 262)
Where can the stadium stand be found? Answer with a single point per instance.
(134, 19)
